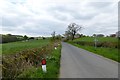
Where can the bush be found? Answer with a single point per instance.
(9, 38)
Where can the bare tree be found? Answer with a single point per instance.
(73, 28)
(67, 35)
(53, 34)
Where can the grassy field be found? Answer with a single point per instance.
(111, 53)
(0, 49)
(101, 39)
(14, 47)
(30, 57)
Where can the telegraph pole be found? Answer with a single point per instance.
(95, 41)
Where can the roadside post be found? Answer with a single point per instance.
(95, 40)
(55, 48)
(44, 65)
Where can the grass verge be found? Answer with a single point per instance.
(111, 53)
(53, 65)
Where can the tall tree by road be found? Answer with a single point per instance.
(73, 28)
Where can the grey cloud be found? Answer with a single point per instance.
(52, 25)
(61, 8)
(103, 28)
(43, 27)
(99, 5)
(59, 15)
(17, 1)
(8, 22)
(57, 10)
(76, 14)
(13, 21)
(83, 17)
(8, 28)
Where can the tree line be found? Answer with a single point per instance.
(13, 38)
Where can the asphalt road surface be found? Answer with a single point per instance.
(79, 63)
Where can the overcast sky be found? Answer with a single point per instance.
(42, 17)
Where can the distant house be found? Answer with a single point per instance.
(18, 36)
(100, 35)
(77, 36)
(118, 34)
(112, 35)
(37, 38)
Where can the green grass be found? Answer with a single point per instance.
(100, 39)
(53, 65)
(0, 49)
(14, 47)
(53, 58)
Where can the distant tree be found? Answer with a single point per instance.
(94, 35)
(8, 34)
(53, 34)
(25, 37)
(43, 37)
(9, 38)
(31, 38)
(78, 35)
(58, 37)
(73, 28)
(67, 35)
(107, 36)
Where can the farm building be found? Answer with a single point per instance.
(112, 35)
(118, 34)
(100, 35)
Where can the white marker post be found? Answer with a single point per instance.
(44, 65)
(95, 42)
(55, 48)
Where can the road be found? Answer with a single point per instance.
(79, 63)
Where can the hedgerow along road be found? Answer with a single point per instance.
(79, 63)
